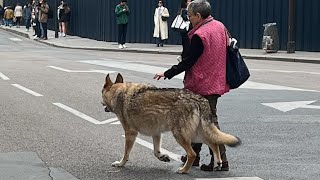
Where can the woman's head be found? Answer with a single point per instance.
(198, 10)
(185, 3)
(123, 2)
(160, 3)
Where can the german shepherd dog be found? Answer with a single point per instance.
(145, 109)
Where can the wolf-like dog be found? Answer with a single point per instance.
(145, 109)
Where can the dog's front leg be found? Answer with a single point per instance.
(157, 147)
(130, 139)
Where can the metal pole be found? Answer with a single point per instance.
(56, 23)
(291, 45)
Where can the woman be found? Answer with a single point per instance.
(64, 18)
(60, 7)
(161, 15)
(18, 14)
(184, 34)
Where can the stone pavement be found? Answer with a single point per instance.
(75, 42)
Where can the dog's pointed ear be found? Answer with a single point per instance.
(119, 78)
(108, 81)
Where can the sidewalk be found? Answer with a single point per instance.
(75, 42)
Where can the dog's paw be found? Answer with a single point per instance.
(181, 170)
(164, 158)
(117, 164)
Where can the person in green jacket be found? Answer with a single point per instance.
(122, 12)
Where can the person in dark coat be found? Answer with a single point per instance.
(27, 12)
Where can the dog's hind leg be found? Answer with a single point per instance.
(191, 155)
(216, 154)
(130, 138)
(157, 147)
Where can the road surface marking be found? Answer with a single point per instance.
(87, 71)
(133, 66)
(109, 121)
(116, 123)
(4, 77)
(285, 71)
(231, 178)
(84, 116)
(15, 39)
(77, 113)
(288, 106)
(146, 144)
(27, 90)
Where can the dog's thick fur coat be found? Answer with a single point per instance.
(145, 109)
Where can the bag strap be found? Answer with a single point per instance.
(230, 36)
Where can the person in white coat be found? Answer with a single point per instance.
(18, 14)
(161, 15)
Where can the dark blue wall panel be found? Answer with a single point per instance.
(244, 18)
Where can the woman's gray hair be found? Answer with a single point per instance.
(202, 7)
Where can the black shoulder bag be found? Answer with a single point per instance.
(237, 71)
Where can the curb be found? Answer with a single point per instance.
(163, 52)
(16, 32)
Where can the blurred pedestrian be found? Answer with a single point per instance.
(60, 7)
(1, 15)
(64, 18)
(27, 12)
(161, 15)
(8, 16)
(35, 19)
(43, 18)
(184, 33)
(122, 12)
(18, 15)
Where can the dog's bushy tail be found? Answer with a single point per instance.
(220, 137)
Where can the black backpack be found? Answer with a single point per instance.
(50, 13)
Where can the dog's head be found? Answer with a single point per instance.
(108, 93)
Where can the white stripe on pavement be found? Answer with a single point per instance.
(231, 178)
(285, 71)
(84, 116)
(109, 121)
(134, 66)
(15, 39)
(27, 90)
(77, 113)
(116, 123)
(4, 77)
(88, 71)
(60, 69)
(146, 144)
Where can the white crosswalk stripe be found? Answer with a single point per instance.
(232, 178)
(15, 39)
(132, 66)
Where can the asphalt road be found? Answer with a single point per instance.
(50, 105)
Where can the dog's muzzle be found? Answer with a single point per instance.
(106, 107)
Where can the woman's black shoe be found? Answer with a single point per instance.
(209, 167)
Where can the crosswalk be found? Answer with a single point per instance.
(138, 67)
